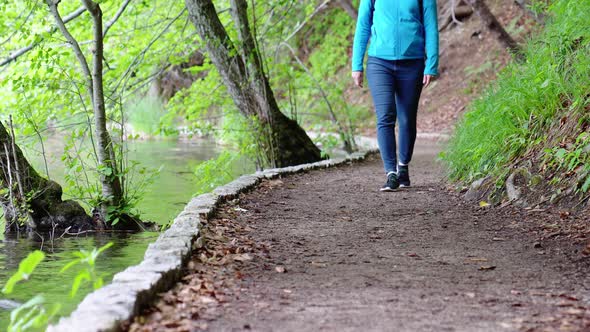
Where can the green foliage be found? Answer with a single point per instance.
(206, 108)
(35, 314)
(215, 172)
(539, 6)
(138, 179)
(32, 315)
(25, 268)
(328, 38)
(515, 114)
(46, 91)
(201, 106)
(328, 142)
(86, 260)
(145, 114)
(568, 159)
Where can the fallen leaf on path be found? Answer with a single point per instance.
(478, 259)
(207, 299)
(487, 268)
(538, 210)
(275, 183)
(565, 304)
(243, 257)
(506, 325)
(575, 311)
(262, 305)
(484, 204)
(319, 264)
(568, 297)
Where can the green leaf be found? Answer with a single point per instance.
(105, 170)
(97, 283)
(69, 265)
(105, 247)
(25, 268)
(37, 300)
(82, 276)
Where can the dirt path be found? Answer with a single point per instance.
(356, 259)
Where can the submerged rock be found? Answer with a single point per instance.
(6, 304)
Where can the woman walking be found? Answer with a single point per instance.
(403, 58)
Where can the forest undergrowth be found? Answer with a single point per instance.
(527, 137)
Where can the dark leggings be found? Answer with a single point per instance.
(395, 86)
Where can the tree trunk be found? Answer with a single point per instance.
(348, 8)
(110, 175)
(31, 202)
(286, 143)
(492, 23)
(112, 191)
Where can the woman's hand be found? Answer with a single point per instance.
(427, 79)
(357, 77)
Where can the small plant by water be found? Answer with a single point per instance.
(36, 313)
(86, 260)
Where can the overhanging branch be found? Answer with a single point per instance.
(115, 18)
(66, 19)
(71, 40)
(20, 52)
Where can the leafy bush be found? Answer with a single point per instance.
(36, 313)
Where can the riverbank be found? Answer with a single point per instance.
(165, 196)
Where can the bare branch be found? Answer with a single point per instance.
(124, 78)
(71, 40)
(348, 8)
(110, 23)
(302, 24)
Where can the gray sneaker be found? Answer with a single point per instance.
(403, 176)
(392, 183)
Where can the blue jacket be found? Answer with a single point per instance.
(397, 32)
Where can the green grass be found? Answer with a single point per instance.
(517, 112)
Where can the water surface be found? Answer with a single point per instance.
(162, 201)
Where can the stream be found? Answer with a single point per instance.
(163, 200)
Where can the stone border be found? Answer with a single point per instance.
(139, 285)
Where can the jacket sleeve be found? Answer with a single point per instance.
(362, 35)
(431, 35)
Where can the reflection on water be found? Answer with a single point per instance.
(163, 200)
